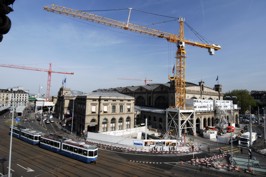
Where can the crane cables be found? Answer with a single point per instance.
(199, 36)
(171, 18)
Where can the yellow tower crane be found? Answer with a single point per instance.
(179, 78)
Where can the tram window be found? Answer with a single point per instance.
(95, 152)
(57, 144)
(75, 150)
(84, 152)
(65, 147)
(91, 153)
(71, 148)
(80, 151)
(30, 136)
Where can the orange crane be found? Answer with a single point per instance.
(145, 80)
(179, 77)
(49, 71)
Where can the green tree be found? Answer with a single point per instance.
(242, 98)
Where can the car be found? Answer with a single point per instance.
(259, 135)
(47, 121)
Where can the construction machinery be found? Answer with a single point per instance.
(49, 71)
(179, 77)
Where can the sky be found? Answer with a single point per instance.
(105, 57)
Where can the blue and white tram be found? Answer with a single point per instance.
(25, 134)
(67, 147)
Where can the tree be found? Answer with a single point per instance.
(242, 98)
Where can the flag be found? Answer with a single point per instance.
(217, 78)
(63, 81)
(173, 70)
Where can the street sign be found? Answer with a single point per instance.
(17, 119)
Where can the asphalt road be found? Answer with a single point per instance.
(32, 161)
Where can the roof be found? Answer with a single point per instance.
(108, 94)
(149, 87)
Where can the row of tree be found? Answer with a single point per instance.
(245, 101)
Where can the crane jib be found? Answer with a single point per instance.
(126, 26)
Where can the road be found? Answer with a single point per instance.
(32, 161)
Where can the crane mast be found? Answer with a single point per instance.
(179, 78)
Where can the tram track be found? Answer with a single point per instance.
(47, 163)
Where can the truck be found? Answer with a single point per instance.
(244, 139)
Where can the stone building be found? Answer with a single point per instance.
(153, 100)
(94, 112)
(16, 98)
(103, 111)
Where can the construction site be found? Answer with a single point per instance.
(172, 119)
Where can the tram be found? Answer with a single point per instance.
(78, 150)
(27, 135)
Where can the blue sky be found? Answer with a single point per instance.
(100, 55)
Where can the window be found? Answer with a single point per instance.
(113, 108)
(121, 108)
(105, 109)
(80, 151)
(93, 109)
(113, 124)
(120, 123)
(128, 122)
(85, 152)
(104, 124)
(128, 108)
(90, 153)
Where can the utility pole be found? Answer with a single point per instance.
(250, 127)
(264, 126)
(11, 135)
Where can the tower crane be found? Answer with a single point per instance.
(179, 77)
(145, 80)
(49, 71)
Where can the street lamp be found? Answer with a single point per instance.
(11, 135)
(264, 126)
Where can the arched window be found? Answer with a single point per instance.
(128, 123)
(120, 123)
(105, 125)
(113, 124)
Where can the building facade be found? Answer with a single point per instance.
(103, 111)
(94, 112)
(16, 98)
(152, 101)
